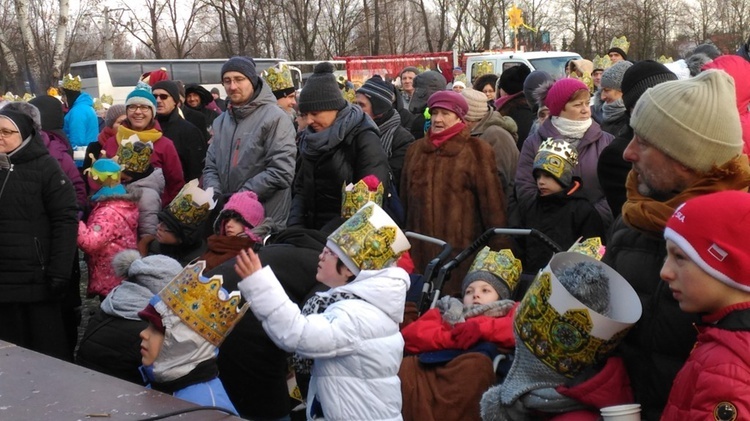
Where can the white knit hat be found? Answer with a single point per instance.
(694, 121)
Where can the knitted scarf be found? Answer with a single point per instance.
(148, 135)
(437, 139)
(387, 130)
(649, 215)
(613, 111)
(317, 304)
(572, 130)
(315, 144)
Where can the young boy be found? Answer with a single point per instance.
(188, 320)
(707, 270)
(560, 209)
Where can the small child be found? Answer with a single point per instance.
(561, 210)
(240, 225)
(707, 268)
(486, 313)
(111, 227)
(188, 320)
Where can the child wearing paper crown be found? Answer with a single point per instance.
(111, 227)
(706, 269)
(560, 210)
(351, 331)
(188, 320)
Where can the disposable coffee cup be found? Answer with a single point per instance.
(628, 412)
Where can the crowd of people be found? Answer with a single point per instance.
(299, 199)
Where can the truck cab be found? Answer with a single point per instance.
(552, 62)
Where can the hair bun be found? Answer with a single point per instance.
(324, 67)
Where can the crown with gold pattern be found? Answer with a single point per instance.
(591, 247)
(664, 60)
(202, 304)
(602, 62)
(564, 333)
(502, 264)
(354, 196)
(368, 240)
(71, 83)
(278, 77)
(192, 204)
(134, 155)
(556, 157)
(621, 43)
(483, 68)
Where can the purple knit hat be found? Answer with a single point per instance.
(451, 101)
(246, 204)
(561, 92)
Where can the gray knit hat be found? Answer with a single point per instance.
(612, 77)
(321, 91)
(495, 282)
(379, 93)
(113, 113)
(693, 121)
(152, 272)
(244, 65)
(478, 106)
(696, 62)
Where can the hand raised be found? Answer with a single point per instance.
(247, 263)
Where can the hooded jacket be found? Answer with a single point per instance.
(738, 68)
(150, 190)
(355, 343)
(498, 131)
(81, 125)
(188, 140)
(256, 152)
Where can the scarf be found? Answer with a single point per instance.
(148, 135)
(500, 102)
(315, 144)
(222, 248)
(105, 134)
(239, 112)
(614, 110)
(645, 214)
(317, 304)
(438, 139)
(388, 129)
(572, 130)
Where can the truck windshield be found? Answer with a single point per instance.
(555, 66)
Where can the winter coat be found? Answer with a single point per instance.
(612, 170)
(255, 153)
(518, 109)
(150, 190)
(198, 120)
(356, 153)
(200, 392)
(165, 157)
(738, 68)
(717, 371)
(564, 217)
(453, 193)
(589, 148)
(400, 144)
(496, 130)
(355, 343)
(37, 224)
(111, 228)
(81, 125)
(58, 148)
(189, 142)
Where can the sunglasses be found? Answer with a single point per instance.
(162, 97)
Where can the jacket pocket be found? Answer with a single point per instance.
(39, 252)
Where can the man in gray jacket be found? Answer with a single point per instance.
(253, 146)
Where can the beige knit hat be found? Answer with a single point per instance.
(478, 106)
(694, 121)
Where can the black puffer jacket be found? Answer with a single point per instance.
(187, 139)
(38, 225)
(319, 179)
(613, 171)
(657, 347)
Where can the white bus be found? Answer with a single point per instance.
(118, 77)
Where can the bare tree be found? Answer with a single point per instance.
(146, 31)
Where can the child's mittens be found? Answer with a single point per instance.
(465, 335)
(495, 309)
(451, 308)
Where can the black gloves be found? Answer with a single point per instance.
(57, 286)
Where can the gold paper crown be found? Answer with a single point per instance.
(483, 68)
(278, 77)
(192, 204)
(560, 148)
(602, 63)
(107, 99)
(502, 264)
(202, 304)
(664, 60)
(460, 78)
(368, 240)
(561, 331)
(134, 155)
(71, 83)
(53, 92)
(354, 196)
(591, 247)
(349, 95)
(621, 43)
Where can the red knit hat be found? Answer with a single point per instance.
(712, 230)
(451, 101)
(561, 92)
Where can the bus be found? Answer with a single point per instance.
(117, 78)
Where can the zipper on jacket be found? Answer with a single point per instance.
(39, 253)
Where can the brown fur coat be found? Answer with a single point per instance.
(452, 193)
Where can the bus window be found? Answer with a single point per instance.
(186, 72)
(211, 72)
(124, 74)
(86, 71)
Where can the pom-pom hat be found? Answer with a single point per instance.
(321, 91)
(711, 229)
(561, 92)
(142, 95)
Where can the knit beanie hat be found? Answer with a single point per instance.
(511, 80)
(154, 76)
(720, 251)
(495, 282)
(28, 109)
(381, 95)
(321, 91)
(142, 95)
(696, 62)
(246, 205)
(215, 91)
(709, 49)
(531, 83)
(23, 122)
(641, 76)
(113, 113)
(478, 106)
(152, 272)
(561, 92)
(425, 84)
(169, 86)
(409, 69)
(50, 112)
(244, 65)
(612, 77)
(451, 101)
(693, 121)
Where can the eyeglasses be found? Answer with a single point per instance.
(162, 97)
(138, 107)
(237, 80)
(5, 133)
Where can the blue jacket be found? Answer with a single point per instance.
(80, 124)
(208, 393)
